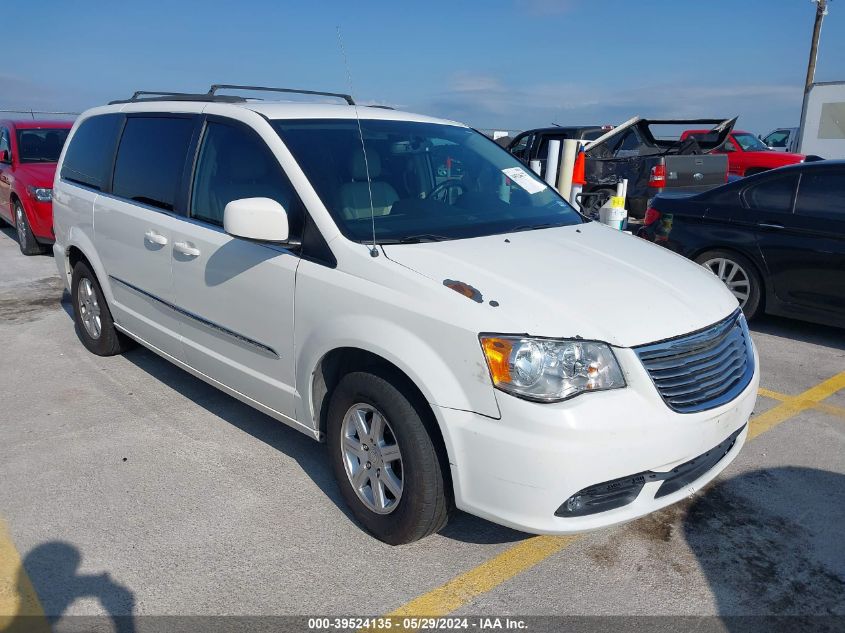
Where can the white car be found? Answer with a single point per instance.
(462, 340)
(783, 139)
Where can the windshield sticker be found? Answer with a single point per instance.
(524, 180)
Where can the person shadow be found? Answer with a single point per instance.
(52, 568)
(771, 547)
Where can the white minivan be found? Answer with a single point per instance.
(402, 288)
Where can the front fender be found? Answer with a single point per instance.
(442, 358)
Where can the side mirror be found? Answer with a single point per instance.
(259, 219)
(4, 156)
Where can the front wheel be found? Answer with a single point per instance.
(384, 459)
(26, 240)
(739, 275)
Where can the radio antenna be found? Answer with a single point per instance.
(373, 249)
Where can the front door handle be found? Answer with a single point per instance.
(769, 225)
(186, 249)
(155, 238)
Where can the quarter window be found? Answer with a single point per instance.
(773, 195)
(820, 193)
(89, 155)
(235, 163)
(151, 158)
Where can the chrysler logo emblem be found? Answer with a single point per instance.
(698, 176)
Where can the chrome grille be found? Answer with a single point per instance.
(702, 370)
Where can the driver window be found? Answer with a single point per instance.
(4, 141)
(235, 163)
(776, 139)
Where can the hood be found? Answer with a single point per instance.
(771, 158)
(586, 280)
(36, 174)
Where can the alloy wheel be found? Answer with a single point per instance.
(371, 458)
(732, 275)
(89, 308)
(20, 224)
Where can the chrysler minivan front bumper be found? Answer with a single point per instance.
(520, 470)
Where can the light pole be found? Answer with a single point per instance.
(821, 11)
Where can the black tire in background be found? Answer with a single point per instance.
(26, 240)
(426, 501)
(109, 341)
(593, 201)
(712, 259)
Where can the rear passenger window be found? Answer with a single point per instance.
(235, 163)
(89, 155)
(774, 194)
(151, 158)
(820, 195)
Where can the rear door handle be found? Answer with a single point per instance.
(155, 238)
(769, 225)
(186, 249)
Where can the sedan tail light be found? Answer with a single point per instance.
(652, 215)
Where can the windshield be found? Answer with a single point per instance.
(41, 146)
(750, 143)
(428, 181)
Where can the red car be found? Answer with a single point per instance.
(748, 155)
(29, 151)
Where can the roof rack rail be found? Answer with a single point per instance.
(161, 95)
(213, 91)
(32, 113)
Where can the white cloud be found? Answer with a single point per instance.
(487, 101)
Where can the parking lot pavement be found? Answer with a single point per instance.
(132, 488)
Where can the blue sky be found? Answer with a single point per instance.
(507, 64)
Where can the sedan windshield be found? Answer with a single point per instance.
(42, 145)
(750, 143)
(427, 182)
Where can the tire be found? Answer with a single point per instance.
(420, 473)
(594, 202)
(98, 333)
(26, 240)
(722, 264)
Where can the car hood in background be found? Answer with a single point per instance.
(36, 174)
(770, 158)
(585, 281)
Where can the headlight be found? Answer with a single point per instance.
(550, 370)
(42, 194)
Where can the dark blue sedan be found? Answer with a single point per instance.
(776, 239)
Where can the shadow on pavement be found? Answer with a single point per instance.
(53, 570)
(799, 331)
(770, 544)
(310, 454)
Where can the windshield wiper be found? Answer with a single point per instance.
(424, 237)
(532, 227)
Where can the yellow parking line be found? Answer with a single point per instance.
(820, 406)
(792, 406)
(774, 395)
(528, 553)
(17, 595)
(458, 591)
